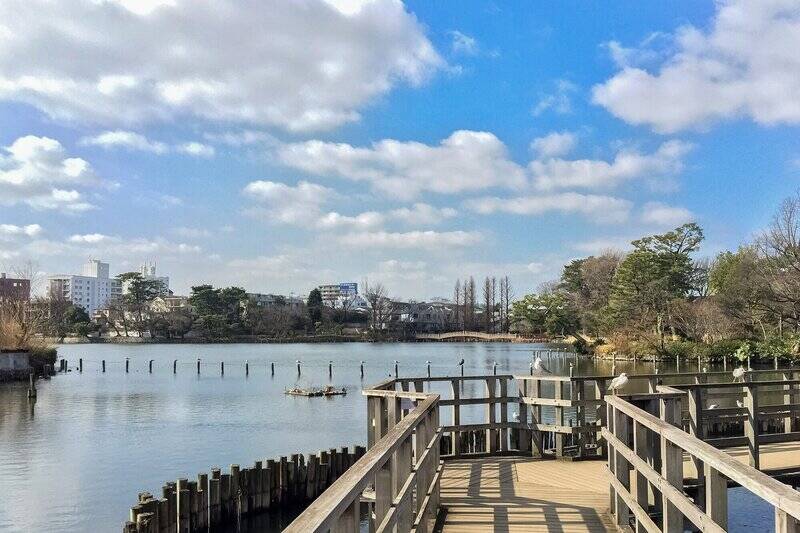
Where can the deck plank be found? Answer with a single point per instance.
(512, 494)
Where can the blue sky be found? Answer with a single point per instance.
(279, 145)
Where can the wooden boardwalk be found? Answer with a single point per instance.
(514, 494)
(518, 494)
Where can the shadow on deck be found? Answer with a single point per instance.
(515, 494)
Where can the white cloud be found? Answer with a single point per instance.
(125, 139)
(627, 165)
(285, 204)
(465, 161)
(597, 207)
(133, 141)
(665, 215)
(196, 149)
(428, 240)
(745, 65)
(334, 220)
(9, 231)
(554, 144)
(461, 43)
(295, 65)
(241, 138)
(190, 233)
(603, 244)
(37, 171)
(89, 238)
(421, 214)
(559, 101)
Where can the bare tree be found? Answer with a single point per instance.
(380, 305)
(487, 304)
(471, 301)
(506, 295)
(457, 299)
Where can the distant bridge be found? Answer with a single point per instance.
(476, 336)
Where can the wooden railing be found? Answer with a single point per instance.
(646, 446)
(398, 477)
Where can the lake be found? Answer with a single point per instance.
(76, 459)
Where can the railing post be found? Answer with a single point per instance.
(622, 468)
(559, 418)
(524, 435)
(503, 432)
(371, 417)
(456, 435)
(784, 522)
(695, 396)
(577, 394)
(716, 496)
(611, 460)
(671, 466)
(349, 521)
(641, 445)
(601, 413)
(383, 492)
(751, 423)
(789, 423)
(491, 434)
(536, 418)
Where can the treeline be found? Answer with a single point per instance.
(488, 309)
(661, 300)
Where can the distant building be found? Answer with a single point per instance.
(14, 288)
(92, 290)
(170, 303)
(331, 294)
(424, 317)
(148, 272)
(272, 301)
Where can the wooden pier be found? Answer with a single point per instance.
(658, 458)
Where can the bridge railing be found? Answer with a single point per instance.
(646, 446)
(398, 477)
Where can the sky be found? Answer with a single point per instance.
(280, 145)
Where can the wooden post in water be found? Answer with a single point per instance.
(175, 366)
(272, 367)
(330, 369)
(127, 365)
(362, 369)
(80, 364)
(31, 386)
(104, 365)
(150, 366)
(395, 369)
(222, 368)
(298, 367)
(198, 366)
(429, 368)
(183, 505)
(246, 368)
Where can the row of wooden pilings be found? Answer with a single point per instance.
(224, 498)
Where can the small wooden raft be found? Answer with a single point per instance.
(222, 498)
(324, 391)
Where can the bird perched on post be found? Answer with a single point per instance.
(713, 406)
(461, 363)
(738, 374)
(739, 404)
(538, 366)
(618, 382)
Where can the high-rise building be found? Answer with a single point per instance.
(92, 291)
(148, 271)
(14, 288)
(334, 292)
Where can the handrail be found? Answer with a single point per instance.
(712, 464)
(389, 465)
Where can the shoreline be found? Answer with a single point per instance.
(321, 339)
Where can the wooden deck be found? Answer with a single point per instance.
(518, 494)
(513, 494)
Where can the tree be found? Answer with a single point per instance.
(551, 313)
(506, 295)
(220, 310)
(314, 306)
(139, 294)
(458, 311)
(380, 305)
(737, 284)
(588, 283)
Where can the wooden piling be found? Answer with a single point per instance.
(246, 368)
(80, 364)
(150, 366)
(104, 365)
(198, 366)
(222, 368)
(202, 494)
(213, 501)
(127, 365)
(183, 506)
(174, 366)
(272, 368)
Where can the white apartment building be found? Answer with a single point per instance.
(92, 290)
(332, 293)
(148, 271)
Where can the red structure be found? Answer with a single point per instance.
(16, 289)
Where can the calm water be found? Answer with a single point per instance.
(75, 460)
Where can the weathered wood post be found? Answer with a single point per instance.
(395, 369)
(298, 368)
(716, 496)
(429, 368)
(80, 364)
(127, 365)
(222, 368)
(246, 368)
(751, 422)
(236, 493)
(183, 505)
(671, 466)
(330, 369)
(150, 366)
(362, 369)
(31, 386)
(272, 368)
(213, 498)
(104, 365)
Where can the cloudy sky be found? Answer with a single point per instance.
(277, 145)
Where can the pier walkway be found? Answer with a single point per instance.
(570, 457)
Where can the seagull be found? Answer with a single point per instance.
(739, 403)
(539, 367)
(461, 363)
(515, 415)
(738, 374)
(618, 382)
(713, 406)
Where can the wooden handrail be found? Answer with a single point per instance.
(325, 512)
(774, 492)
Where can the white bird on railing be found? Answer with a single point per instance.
(538, 366)
(739, 403)
(713, 406)
(618, 382)
(738, 374)
(515, 416)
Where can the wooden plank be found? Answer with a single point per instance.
(716, 497)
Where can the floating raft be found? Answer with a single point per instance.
(325, 391)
